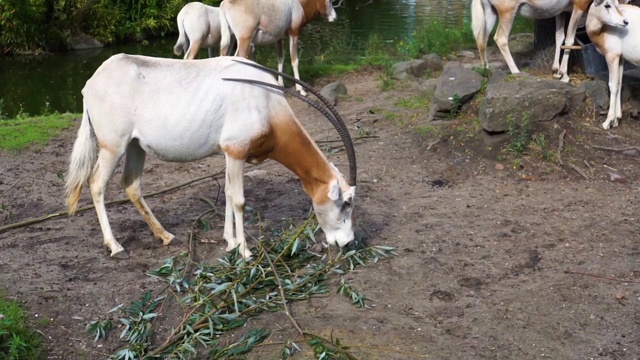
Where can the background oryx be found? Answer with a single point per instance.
(615, 31)
(199, 26)
(269, 21)
(485, 12)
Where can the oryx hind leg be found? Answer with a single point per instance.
(194, 47)
(102, 171)
(505, 23)
(133, 166)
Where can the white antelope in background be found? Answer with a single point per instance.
(187, 110)
(614, 29)
(199, 26)
(485, 12)
(265, 22)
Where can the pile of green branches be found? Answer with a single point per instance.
(221, 297)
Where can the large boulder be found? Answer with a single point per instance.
(456, 86)
(333, 91)
(541, 99)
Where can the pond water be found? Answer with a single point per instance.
(36, 84)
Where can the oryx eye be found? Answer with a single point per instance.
(345, 205)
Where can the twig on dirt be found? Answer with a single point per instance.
(621, 149)
(600, 276)
(561, 145)
(578, 170)
(433, 143)
(14, 184)
(587, 163)
(610, 168)
(88, 207)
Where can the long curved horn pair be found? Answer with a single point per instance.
(335, 118)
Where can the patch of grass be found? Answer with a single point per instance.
(23, 131)
(435, 37)
(520, 132)
(17, 340)
(414, 102)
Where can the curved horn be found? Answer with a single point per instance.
(339, 124)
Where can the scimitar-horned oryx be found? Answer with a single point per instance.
(187, 110)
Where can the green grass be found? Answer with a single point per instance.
(17, 341)
(23, 131)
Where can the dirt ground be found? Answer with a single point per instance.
(485, 239)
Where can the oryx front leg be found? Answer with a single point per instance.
(102, 171)
(280, 55)
(234, 191)
(559, 40)
(133, 166)
(613, 61)
(293, 50)
(563, 72)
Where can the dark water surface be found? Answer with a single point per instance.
(35, 84)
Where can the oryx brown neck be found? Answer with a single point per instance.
(295, 149)
(310, 8)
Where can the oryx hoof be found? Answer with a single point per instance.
(119, 254)
(166, 238)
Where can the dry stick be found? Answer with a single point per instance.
(118, 201)
(561, 145)
(599, 276)
(578, 170)
(616, 149)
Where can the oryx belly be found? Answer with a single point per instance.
(542, 9)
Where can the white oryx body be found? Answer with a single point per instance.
(484, 14)
(265, 22)
(615, 31)
(199, 26)
(184, 111)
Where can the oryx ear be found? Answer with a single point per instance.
(334, 191)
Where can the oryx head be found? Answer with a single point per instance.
(325, 7)
(334, 210)
(608, 13)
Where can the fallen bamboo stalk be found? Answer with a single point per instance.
(113, 202)
(616, 149)
(578, 170)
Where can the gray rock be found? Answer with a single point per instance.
(427, 87)
(433, 62)
(542, 99)
(400, 71)
(333, 91)
(456, 86)
(467, 54)
(412, 70)
(84, 41)
(597, 91)
(498, 76)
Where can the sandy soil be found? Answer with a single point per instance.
(483, 251)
